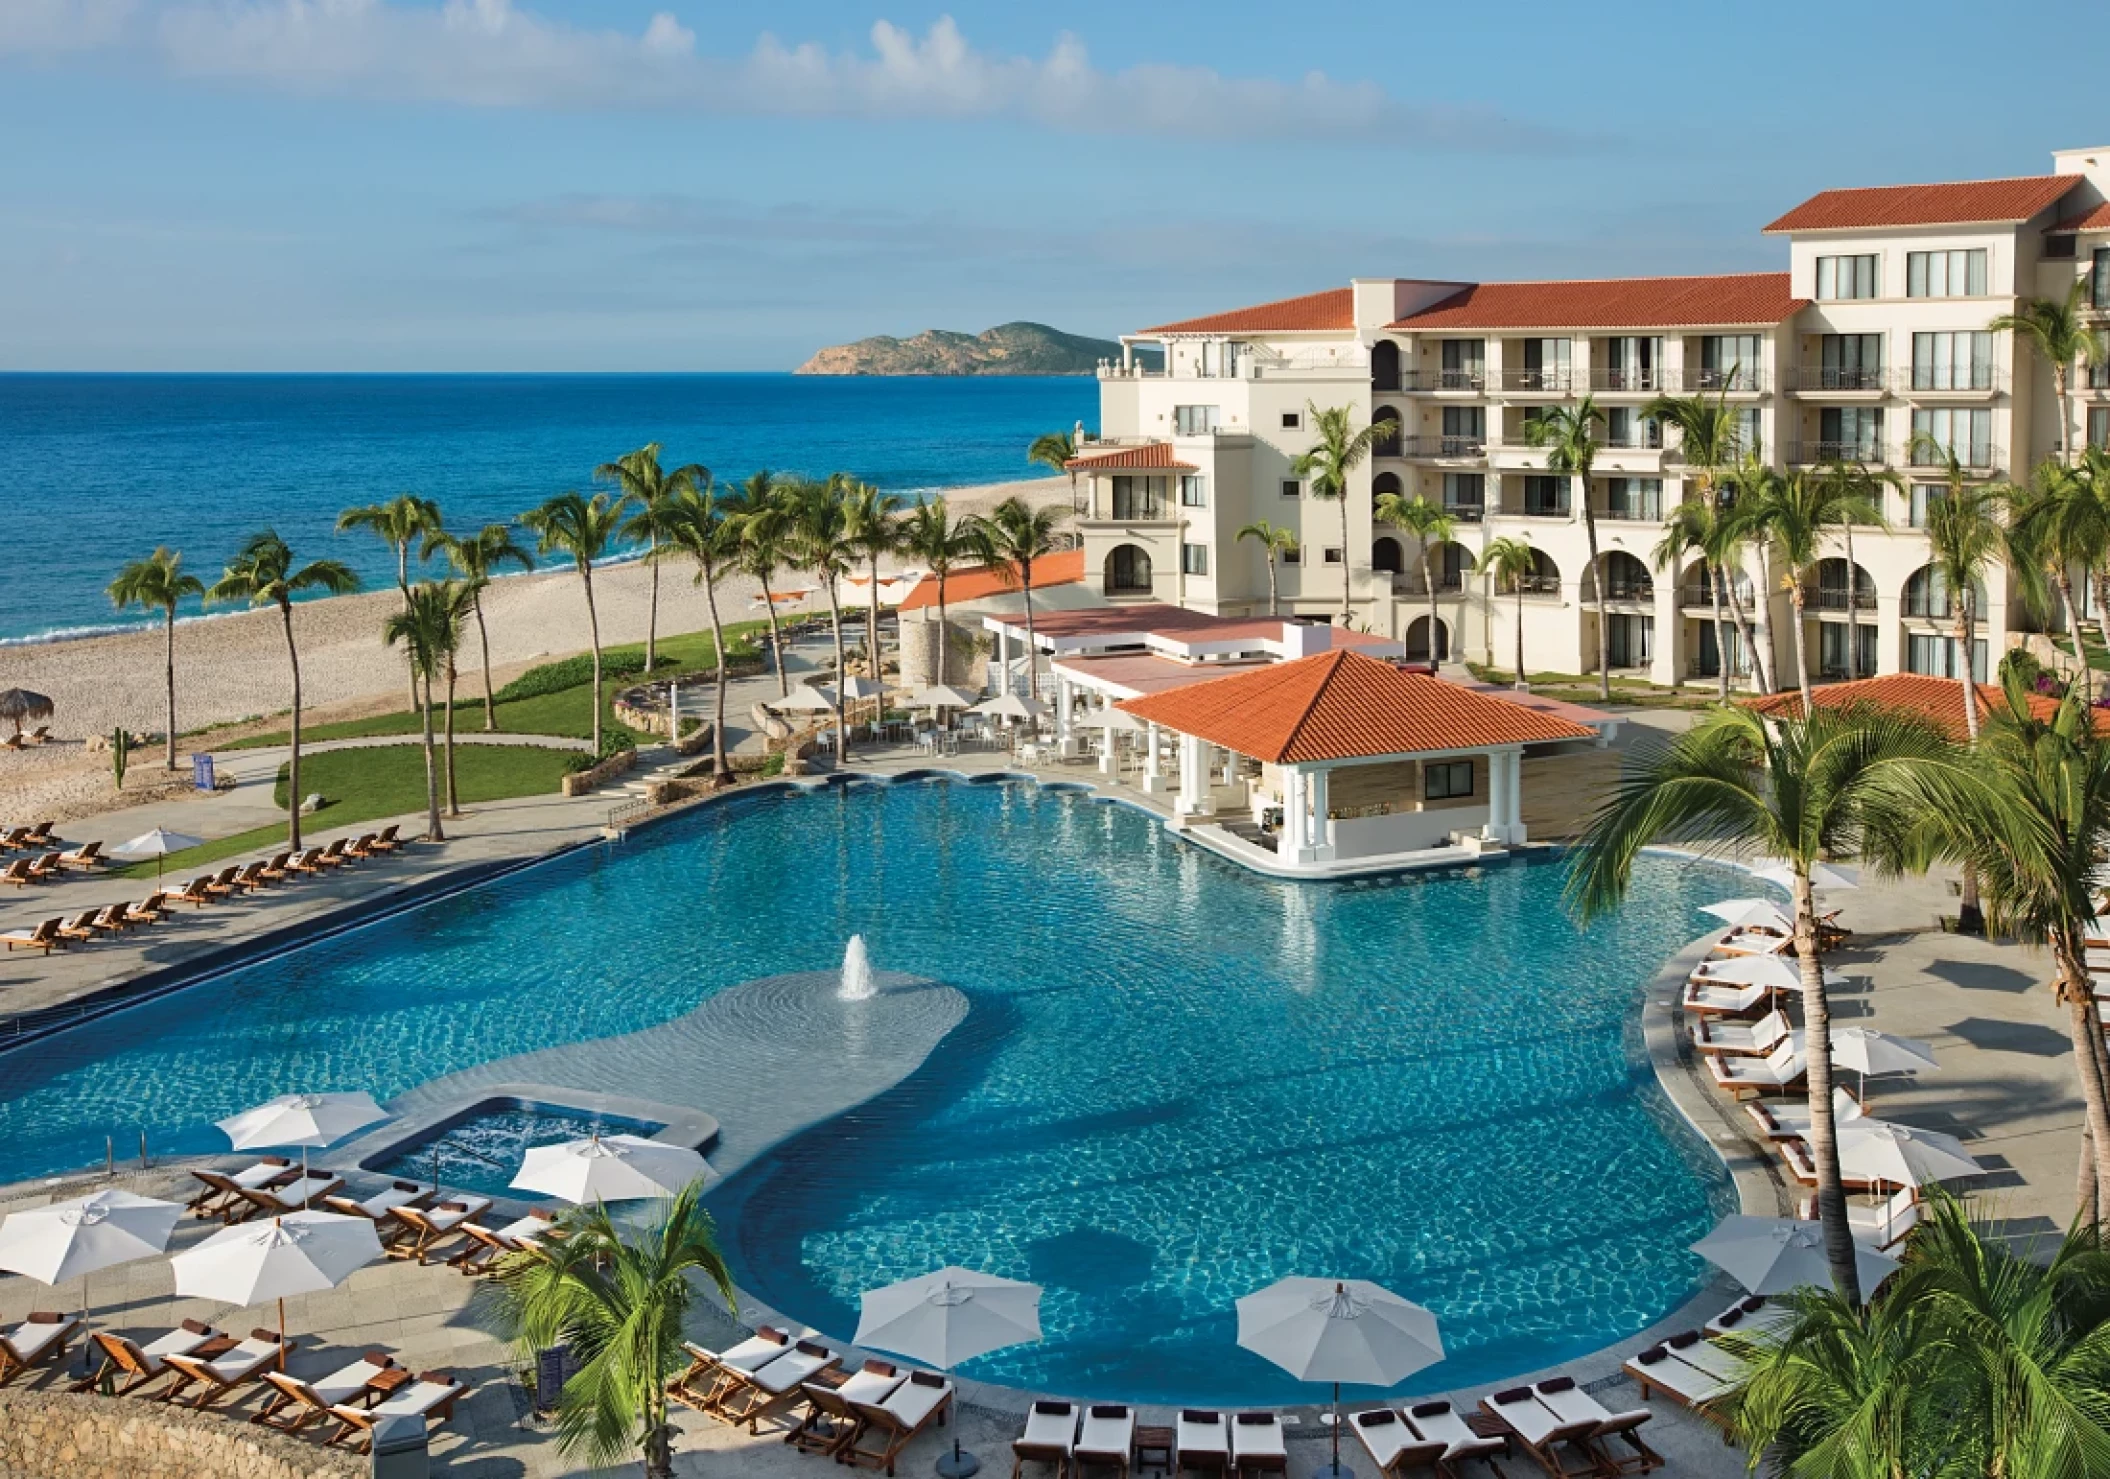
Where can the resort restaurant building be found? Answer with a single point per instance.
(1336, 759)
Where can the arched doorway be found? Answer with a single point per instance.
(1384, 483)
(1387, 443)
(1418, 640)
(1625, 578)
(1387, 557)
(1384, 365)
(1128, 571)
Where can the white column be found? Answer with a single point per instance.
(1497, 828)
(1065, 733)
(1294, 829)
(1153, 777)
(1003, 660)
(1516, 798)
(1321, 828)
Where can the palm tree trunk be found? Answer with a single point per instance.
(171, 634)
(2087, 1031)
(835, 621)
(941, 627)
(1519, 684)
(1797, 600)
(719, 769)
(2101, 576)
(593, 628)
(432, 774)
(403, 585)
(1274, 599)
(2059, 390)
(1429, 578)
(872, 638)
(1721, 640)
(2064, 579)
(652, 611)
(1853, 626)
(453, 804)
(1762, 662)
(1347, 586)
(1604, 634)
(776, 639)
(1744, 633)
(1025, 570)
(1817, 1058)
(483, 638)
(285, 611)
(1963, 661)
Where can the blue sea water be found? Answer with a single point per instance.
(1178, 1080)
(98, 469)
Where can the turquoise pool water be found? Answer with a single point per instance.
(1178, 1080)
(482, 1153)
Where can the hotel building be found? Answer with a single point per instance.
(1876, 331)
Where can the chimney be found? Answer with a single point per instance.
(1305, 639)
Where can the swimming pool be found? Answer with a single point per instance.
(482, 1151)
(1178, 1080)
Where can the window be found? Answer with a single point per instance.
(2099, 279)
(1851, 361)
(1953, 274)
(1961, 361)
(1292, 420)
(1729, 361)
(1632, 362)
(1332, 554)
(1921, 496)
(1546, 364)
(1847, 277)
(1194, 490)
(1464, 364)
(1832, 650)
(1633, 498)
(2061, 248)
(1447, 780)
(1967, 433)
(1291, 488)
(1850, 433)
(1545, 495)
(1127, 571)
(1630, 640)
(1194, 421)
(1464, 430)
(1294, 555)
(1139, 497)
(1194, 559)
(2099, 426)
(1465, 490)
(1626, 427)
(1747, 437)
(1930, 654)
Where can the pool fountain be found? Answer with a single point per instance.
(857, 972)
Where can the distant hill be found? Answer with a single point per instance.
(1007, 349)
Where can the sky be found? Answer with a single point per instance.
(438, 185)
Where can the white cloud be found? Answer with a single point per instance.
(496, 54)
(46, 28)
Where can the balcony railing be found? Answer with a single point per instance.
(1736, 379)
(1466, 513)
(1651, 378)
(1471, 380)
(1633, 441)
(1632, 513)
(1982, 458)
(1835, 378)
(1703, 595)
(1415, 583)
(1808, 454)
(1535, 510)
(1630, 590)
(1822, 600)
(1538, 585)
(1945, 380)
(1557, 381)
(1441, 446)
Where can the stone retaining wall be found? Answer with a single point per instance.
(578, 783)
(89, 1437)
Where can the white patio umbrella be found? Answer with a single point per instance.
(1744, 913)
(859, 686)
(157, 845)
(299, 1253)
(1011, 706)
(1822, 875)
(1760, 970)
(943, 696)
(945, 1318)
(73, 1239)
(1899, 1155)
(1338, 1330)
(1116, 721)
(1771, 1255)
(805, 699)
(306, 1120)
(609, 1168)
(1868, 1051)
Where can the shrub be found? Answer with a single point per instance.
(571, 672)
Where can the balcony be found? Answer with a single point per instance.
(1465, 513)
(1736, 380)
(1631, 513)
(1556, 381)
(1650, 379)
(1701, 597)
(1833, 600)
(1537, 585)
(1983, 458)
(1640, 439)
(1919, 606)
(1464, 381)
(1439, 446)
(1630, 590)
(1940, 380)
(1810, 454)
(1415, 583)
(1834, 380)
(1535, 510)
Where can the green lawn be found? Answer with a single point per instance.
(567, 712)
(360, 785)
(1581, 688)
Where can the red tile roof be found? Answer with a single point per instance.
(1064, 568)
(1939, 699)
(1615, 303)
(2095, 220)
(1332, 309)
(1956, 204)
(1343, 706)
(1157, 454)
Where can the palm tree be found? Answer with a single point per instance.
(1964, 538)
(617, 1298)
(1796, 512)
(1010, 537)
(1860, 502)
(928, 534)
(1428, 523)
(582, 528)
(873, 522)
(645, 486)
(263, 574)
(820, 541)
(2029, 821)
(1569, 436)
(1827, 786)
(457, 598)
(477, 558)
(158, 582)
(1274, 543)
(1057, 450)
(404, 518)
(424, 629)
(2063, 338)
(697, 527)
(1511, 561)
(1710, 441)
(760, 513)
(2059, 521)
(1743, 493)
(1339, 450)
(1694, 528)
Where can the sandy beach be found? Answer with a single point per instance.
(233, 667)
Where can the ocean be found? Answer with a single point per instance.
(96, 470)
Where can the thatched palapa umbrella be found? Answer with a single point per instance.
(19, 704)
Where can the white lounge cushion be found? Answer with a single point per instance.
(1051, 1425)
(1257, 1435)
(1712, 1359)
(1202, 1432)
(346, 1382)
(794, 1366)
(453, 1212)
(244, 1359)
(392, 1196)
(178, 1342)
(1680, 1378)
(915, 1400)
(32, 1338)
(869, 1386)
(1448, 1427)
(1383, 1432)
(255, 1176)
(1533, 1421)
(1105, 1433)
(1569, 1403)
(416, 1402)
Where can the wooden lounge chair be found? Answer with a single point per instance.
(88, 855)
(1396, 1449)
(113, 919)
(387, 840)
(225, 883)
(1051, 1432)
(431, 1397)
(225, 1372)
(774, 1388)
(1548, 1441)
(21, 873)
(292, 1196)
(486, 1245)
(1201, 1441)
(1570, 1403)
(82, 926)
(333, 855)
(829, 1422)
(297, 1403)
(150, 910)
(1704, 997)
(276, 870)
(1257, 1445)
(1752, 1318)
(1436, 1421)
(433, 1225)
(1781, 1072)
(306, 861)
(1107, 1440)
(379, 1209)
(1660, 1369)
(41, 735)
(16, 837)
(143, 1365)
(250, 878)
(42, 835)
(1740, 1039)
(1883, 1226)
(890, 1426)
(198, 891)
(40, 1340)
(223, 1192)
(712, 1372)
(364, 847)
(44, 937)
